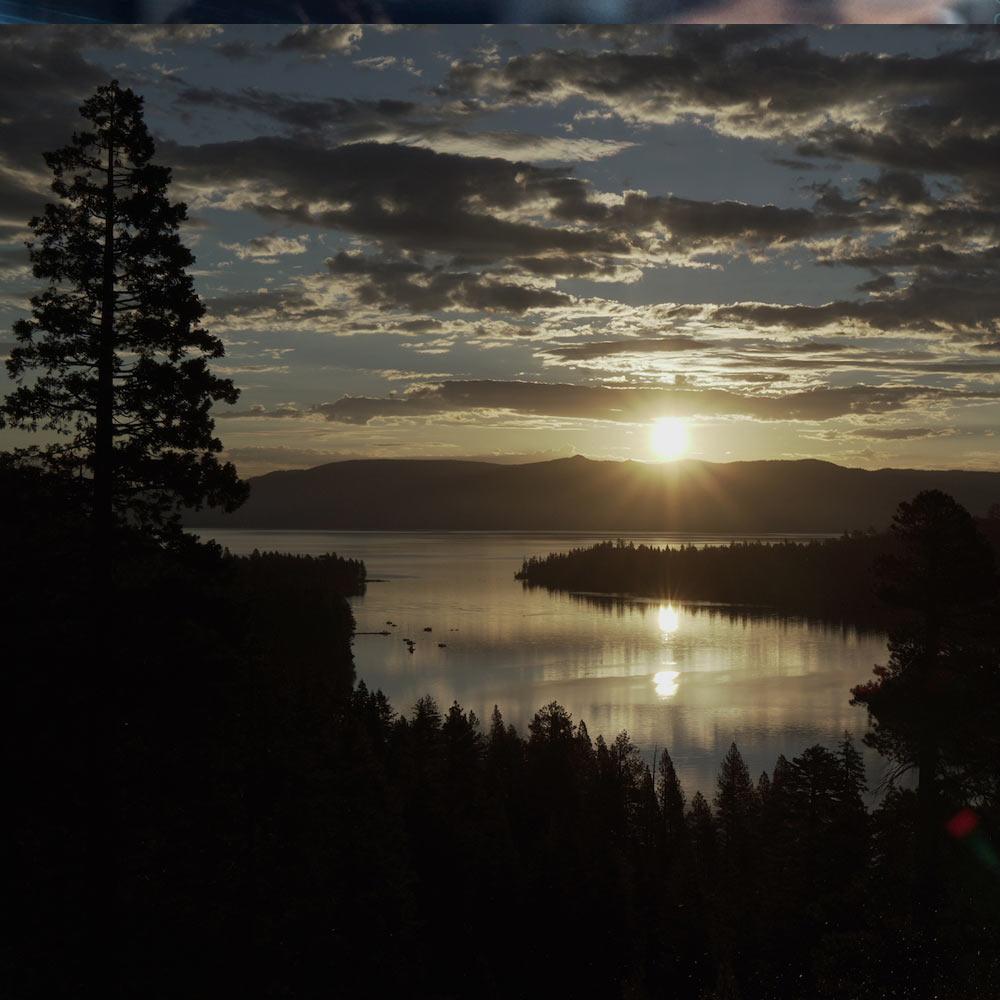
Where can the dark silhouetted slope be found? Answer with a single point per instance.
(580, 494)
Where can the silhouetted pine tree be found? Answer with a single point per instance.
(735, 820)
(934, 706)
(701, 831)
(504, 757)
(113, 357)
(735, 808)
(671, 797)
(852, 817)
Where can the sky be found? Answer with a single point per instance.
(524, 242)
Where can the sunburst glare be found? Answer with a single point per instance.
(668, 438)
(668, 619)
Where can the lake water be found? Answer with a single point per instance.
(691, 677)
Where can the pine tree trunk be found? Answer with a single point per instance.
(928, 882)
(105, 817)
(104, 416)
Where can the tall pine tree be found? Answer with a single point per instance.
(113, 359)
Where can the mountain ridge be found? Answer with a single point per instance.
(578, 493)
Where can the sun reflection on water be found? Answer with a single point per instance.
(665, 682)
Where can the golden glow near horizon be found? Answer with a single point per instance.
(668, 438)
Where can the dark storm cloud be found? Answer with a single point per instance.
(634, 404)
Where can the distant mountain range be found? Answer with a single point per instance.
(582, 495)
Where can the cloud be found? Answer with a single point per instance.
(637, 345)
(319, 41)
(966, 301)
(279, 412)
(342, 120)
(446, 220)
(742, 82)
(403, 284)
(238, 50)
(267, 249)
(907, 114)
(901, 187)
(287, 308)
(716, 225)
(897, 433)
(153, 38)
(381, 63)
(411, 196)
(635, 404)
(728, 358)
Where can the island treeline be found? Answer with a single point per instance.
(830, 579)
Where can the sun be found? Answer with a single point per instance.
(668, 437)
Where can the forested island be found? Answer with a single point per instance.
(833, 580)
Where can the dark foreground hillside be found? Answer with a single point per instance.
(260, 825)
(578, 494)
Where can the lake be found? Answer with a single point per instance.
(691, 677)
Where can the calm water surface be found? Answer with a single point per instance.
(692, 677)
